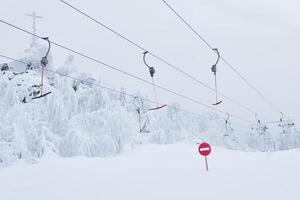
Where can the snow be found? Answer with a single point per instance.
(158, 172)
(86, 142)
(81, 119)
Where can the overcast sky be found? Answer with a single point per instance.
(259, 37)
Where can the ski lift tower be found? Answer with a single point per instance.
(34, 17)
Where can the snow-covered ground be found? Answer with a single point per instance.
(123, 156)
(157, 172)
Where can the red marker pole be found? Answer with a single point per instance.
(204, 150)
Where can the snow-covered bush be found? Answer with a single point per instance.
(81, 119)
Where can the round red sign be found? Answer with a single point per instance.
(204, 149)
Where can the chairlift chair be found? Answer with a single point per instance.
(262, 128)
(152, 72)
(214, 70)
(227, 125)
(44, 63)
(142, 123)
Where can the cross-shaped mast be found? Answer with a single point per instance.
(34, 17)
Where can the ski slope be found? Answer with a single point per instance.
(157, 172)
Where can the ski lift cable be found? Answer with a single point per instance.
(132, 95)
(159, 58)
(121, 71)
(221, 57)
(92, 83)
(138, 78)
(20, 61)
(279, 122)
(110, 89)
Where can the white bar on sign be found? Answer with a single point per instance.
(204, 149)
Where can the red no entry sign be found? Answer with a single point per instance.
(204, 149)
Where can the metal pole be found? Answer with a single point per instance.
(216, 87)
(42, 80)
(206, 164)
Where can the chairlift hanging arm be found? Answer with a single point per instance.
(214, 67)
(256, 117)
(29, 64)
(44, 60)
(281, 124)
(214, 70)
(281, 117)
(138, 109)
(44, 63)
(227, 125)
(49, 45)
(227, 120)
(151, 69)
(152, 72)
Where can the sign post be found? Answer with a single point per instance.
(204, 150)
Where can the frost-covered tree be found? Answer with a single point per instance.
(79, 118)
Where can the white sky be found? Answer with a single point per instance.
(259, 37)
